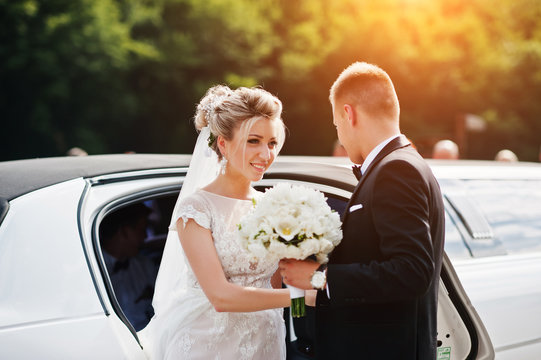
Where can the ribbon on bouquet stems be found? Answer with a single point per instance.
(297, 302)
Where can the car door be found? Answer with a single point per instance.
(104, 195)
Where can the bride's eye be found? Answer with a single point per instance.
(253, 141)
(273, 144)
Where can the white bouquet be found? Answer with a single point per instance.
(291, 221)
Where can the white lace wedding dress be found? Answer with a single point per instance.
(190, 328)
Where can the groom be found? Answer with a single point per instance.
(378, 297)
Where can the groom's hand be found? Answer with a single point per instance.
(298, 273)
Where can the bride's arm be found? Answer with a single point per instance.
(223, 295)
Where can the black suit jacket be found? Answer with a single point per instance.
(383, 277)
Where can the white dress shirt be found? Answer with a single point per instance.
(375, 151)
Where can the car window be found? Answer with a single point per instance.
(513, 210)
(132, 238)
(336, 203)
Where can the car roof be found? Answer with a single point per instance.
(485, 170)
(463, 169)
(19, 177)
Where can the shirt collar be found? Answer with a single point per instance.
(375, 151)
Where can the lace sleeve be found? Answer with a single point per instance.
(193, 207)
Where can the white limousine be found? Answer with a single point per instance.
(58, 302)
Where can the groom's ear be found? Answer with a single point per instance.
(351, 115)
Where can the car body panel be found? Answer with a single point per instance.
(501, 278)
(48, 294)
(85, 338)
(43, 269)
(501, 290)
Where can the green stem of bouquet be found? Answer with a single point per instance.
(297, 307)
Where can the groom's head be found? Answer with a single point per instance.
(365, 108)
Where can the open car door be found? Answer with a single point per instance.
(461, 333)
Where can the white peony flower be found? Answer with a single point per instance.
(288, 228)
(291, 221)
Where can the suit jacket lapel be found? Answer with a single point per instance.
(397, 143)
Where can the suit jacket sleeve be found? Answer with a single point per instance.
(400, 212)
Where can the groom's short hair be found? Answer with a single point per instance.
(368, 86)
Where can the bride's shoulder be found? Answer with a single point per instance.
(197, 198)
(194, 206)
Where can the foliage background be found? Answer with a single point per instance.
(125, 75)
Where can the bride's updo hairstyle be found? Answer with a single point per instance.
(225, 110)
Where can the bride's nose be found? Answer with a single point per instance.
(265, 153)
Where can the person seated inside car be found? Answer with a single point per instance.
(132, 275)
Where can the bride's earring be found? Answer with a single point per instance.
(223, 165)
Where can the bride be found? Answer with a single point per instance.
(220, 303)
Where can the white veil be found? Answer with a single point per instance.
(171, 278)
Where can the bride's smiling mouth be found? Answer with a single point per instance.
(259, 166)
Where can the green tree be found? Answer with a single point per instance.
(446, 58)
(117, 75)
(201, 43)
(62, 70)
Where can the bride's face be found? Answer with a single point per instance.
(250, 156)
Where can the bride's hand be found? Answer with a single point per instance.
(310, 297)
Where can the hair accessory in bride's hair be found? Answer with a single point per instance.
(216, 101)
(211, 139)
